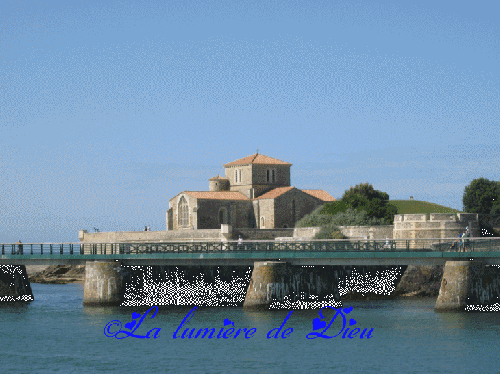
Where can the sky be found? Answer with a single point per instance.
(108, 109)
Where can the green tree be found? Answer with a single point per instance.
(365, 190)
(482, 196)
(375, 203)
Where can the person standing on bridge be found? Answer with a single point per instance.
(461, 243)
(19, 247)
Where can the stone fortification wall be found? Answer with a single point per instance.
(305, 232)
(368, 232)
(435, 225)
(265, 234)
(149, 236)
(352, 232)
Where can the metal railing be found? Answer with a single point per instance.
(439, 244)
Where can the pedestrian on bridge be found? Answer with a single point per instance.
(19, 247)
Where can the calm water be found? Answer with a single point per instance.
(56, 333)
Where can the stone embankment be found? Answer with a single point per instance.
(58, 274)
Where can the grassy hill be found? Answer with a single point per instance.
(420, 207)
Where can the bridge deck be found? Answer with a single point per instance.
(321, 252)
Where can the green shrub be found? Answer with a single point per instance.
(330, 232)
(315, 219)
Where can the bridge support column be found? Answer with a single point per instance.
(277, 282)
(104, 284)
(14, 284)
(469, 285)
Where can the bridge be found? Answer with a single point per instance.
(275, 263)
(226, 253)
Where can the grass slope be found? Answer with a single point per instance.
(420, 207)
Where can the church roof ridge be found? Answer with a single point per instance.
(257, 159)
(320, 194)
(275, 192)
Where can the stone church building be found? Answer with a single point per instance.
(255, 193)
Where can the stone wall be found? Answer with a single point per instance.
(174, 205)
(292, 206)
(149, 236)
(434, 226)
(368, 232)
(265, 209)
(352, 232)
(267, 234)
(305, 232)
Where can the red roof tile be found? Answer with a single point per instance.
(320, 194)
(212, 195)
(258, 159)
(275, 193)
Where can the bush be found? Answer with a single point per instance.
(352, 217)
(315, 219)
(330, 232)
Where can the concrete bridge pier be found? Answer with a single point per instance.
(466, 284)
(14, 284)
(274, 281)
(104, 284)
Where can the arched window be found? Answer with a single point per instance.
(223, 216)
(262, 223)
(183, 212)
(294, 212)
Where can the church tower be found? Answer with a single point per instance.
(257, 174)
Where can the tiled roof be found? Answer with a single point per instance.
(258, 159)
(275, 193)
(320, 194)
(217, 177)
(212, 195)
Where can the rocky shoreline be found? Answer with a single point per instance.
(56, 274)
(417, 281)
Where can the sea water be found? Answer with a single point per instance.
(56, 333)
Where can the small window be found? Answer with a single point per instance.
(274, 175)
(236, 175)
(223, 216)
(262, 223)
(268, 175)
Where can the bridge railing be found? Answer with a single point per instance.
(439, 244)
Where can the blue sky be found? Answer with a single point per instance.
(108, 109)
